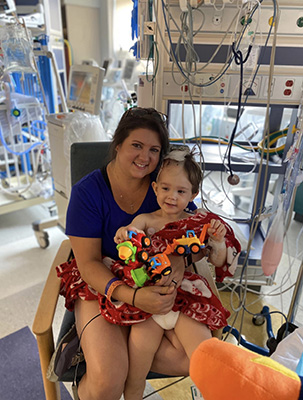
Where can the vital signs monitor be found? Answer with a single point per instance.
(85, 87)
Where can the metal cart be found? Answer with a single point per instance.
(25, 160)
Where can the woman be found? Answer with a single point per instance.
(100, 203)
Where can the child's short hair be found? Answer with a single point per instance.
(182, 154)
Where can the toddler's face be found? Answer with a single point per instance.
(173, 189)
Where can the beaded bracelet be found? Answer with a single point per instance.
(112, 288)
(109, 284)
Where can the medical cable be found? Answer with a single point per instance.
(174, 55)
(225, 67)
(18, 153)
(14, 192)
(79, 347)
(153, 46)
(263, 199)
(256, 218)
(209, 61)
(252, 79)
(74, 384)
(241, 85)
(159, 30)
(239, 60)
(165, 387)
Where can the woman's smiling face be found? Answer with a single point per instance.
(139, 153)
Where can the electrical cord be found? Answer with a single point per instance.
(187, 73)
(165, 387)
(79, 347)
(153, 46)
(239, 60)
(78, 363)
(172, 53)
(256, 217)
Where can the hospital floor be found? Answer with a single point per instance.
(24, 267)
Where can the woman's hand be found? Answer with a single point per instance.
(160, 298)
(156, 299)
(176, 276)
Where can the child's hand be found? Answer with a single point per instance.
(217, 230)
(122, 233)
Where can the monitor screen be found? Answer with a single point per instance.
(84, 89)
(80, 87)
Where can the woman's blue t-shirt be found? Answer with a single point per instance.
(93, 212)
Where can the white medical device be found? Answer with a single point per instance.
(84, 88)
(7, 6)
(84, 95)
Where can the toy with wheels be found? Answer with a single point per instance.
(190, 243)
(133, 249)
(155, 267)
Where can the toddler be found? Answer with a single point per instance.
(197, 311)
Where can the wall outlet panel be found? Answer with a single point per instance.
(285, 89)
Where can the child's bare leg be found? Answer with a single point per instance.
(191, 333)
(144, 341)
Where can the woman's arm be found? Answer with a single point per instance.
(93, 271)
(96, 274)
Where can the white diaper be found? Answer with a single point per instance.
(167, 321)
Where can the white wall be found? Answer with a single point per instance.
(89, 29)
(122, 25)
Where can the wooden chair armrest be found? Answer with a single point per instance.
(49, 298)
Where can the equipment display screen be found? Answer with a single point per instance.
(80, 87)
(84, 88)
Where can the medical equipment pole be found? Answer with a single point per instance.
(296, 295)
(159, 103)
(50, 55)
